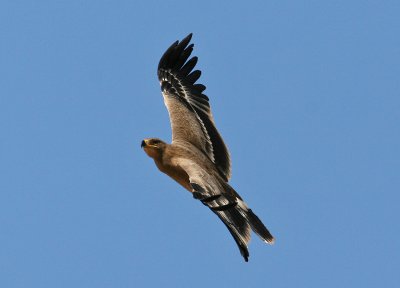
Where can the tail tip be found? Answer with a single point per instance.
(270, 241)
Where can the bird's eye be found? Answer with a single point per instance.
(155, 142)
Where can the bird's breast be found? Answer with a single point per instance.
(176, 173)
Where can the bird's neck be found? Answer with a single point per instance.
(156, 154)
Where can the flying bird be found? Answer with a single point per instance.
(198, 158)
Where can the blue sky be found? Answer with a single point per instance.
(305, 93)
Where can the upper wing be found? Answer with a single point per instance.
(189, 109)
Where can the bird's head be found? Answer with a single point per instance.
(153, 147)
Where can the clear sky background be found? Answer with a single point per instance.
(305, 93)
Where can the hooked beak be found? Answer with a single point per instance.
(143, 144)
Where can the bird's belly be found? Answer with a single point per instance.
(176, 173)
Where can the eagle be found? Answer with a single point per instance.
(198, 158)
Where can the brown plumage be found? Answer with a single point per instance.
(197, 158)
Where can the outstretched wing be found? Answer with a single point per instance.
(223, 200)
(189, 109)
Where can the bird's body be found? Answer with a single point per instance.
(198, 158)
(168, 164)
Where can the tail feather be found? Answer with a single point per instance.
(237, 217)
(259, 228)
(240, 221)
(237, 228)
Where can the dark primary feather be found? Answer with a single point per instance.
(177, 78)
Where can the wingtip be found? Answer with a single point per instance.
(185, 41)
(189, 36)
